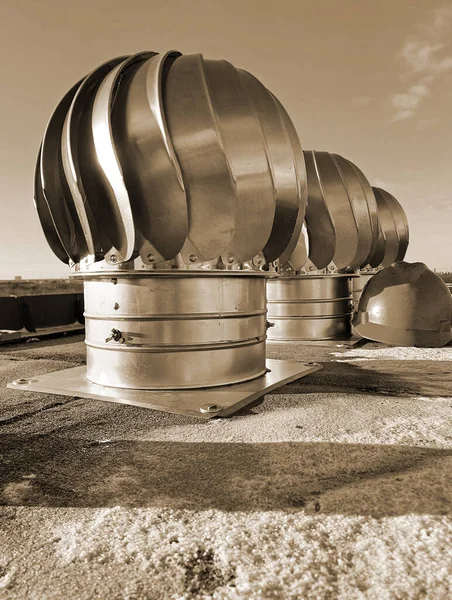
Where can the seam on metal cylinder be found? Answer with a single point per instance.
(161, 348)
(311, 300)
(311, 318)
(175, 316)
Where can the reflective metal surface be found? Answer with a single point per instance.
(341, 216)
(405, 304)
(362, 206)
(88, 194)
(73, 382)
(190, 163)
(45, 217)
(149, 164)
(388, 229)
(176, 330)
(309, 307)
(358, 284)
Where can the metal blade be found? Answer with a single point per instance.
(358, 201)
(114, 211)
(149, 164)
(45, 217)
(340, 209)
(241, 137)
(401, 223)
(292, 252)
(373, 213)
(299, 256)
(319, 224)
(80, 165)
(209, 184)
(281, 163)
(378, 255)
(388, 228)
(55, 189)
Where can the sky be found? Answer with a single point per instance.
(370, 80)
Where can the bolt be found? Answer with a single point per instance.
(113, 258)
(22, 381)
(116, 336)
(151, 258)
(210, 408)
(192, 258)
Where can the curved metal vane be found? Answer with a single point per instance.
(54, 185)
(84, 178)
(150, 167)
(400, 222)
(360, 206)
(319, 223)
(388, 229)
(293, 244)
(45, 217)
(281, 161)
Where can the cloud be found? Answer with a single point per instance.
(419, 56)
(442, 18)
(425, 57)
(402, 115)
(408, 103)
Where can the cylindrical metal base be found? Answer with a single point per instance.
(309, 307)
(359, 284)
(174, 330)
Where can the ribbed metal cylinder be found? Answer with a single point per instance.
(359, 284)
(175, 330)
(309, 307)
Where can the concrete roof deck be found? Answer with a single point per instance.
(336, 486)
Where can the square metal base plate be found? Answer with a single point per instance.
(204, 403)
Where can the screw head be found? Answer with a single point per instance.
(113, 258)
(230, 259)
(211, 408)
(114, 281)
(151, 258)
(192, 258)
(22, 381)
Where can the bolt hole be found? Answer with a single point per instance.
(116, 306)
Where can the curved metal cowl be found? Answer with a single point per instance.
(405, 304)
(393, 236)
(171, 158)
(341, 217)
